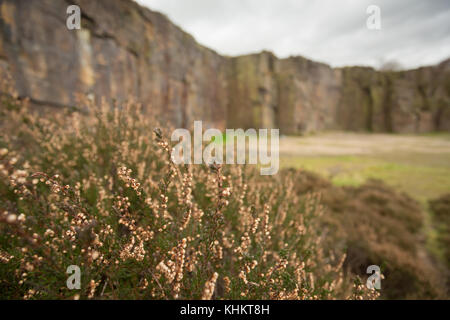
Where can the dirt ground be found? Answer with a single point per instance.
(340, 143)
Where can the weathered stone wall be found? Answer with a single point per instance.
(308, 95)
(407, 101)
(124, 50)
(252, 91)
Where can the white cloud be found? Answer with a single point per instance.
(414, 32)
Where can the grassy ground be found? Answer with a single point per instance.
(418, 165)
(422, 181)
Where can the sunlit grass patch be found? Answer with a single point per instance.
(421, 176)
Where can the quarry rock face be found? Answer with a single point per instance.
(309, 93)
(126, 51)
(405, 101)
(122, 51)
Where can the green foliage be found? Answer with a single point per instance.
(98, 190)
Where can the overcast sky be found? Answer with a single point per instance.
(413, 32)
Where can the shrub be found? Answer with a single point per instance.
(441, 211)
(97, 189)
(376, 225)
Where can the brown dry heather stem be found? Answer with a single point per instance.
(98, 190)
(210, 285)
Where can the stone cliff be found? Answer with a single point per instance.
(124, 50)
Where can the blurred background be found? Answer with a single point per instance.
(354, 104)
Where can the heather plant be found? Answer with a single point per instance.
(96, 188)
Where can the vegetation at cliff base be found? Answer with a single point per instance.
(96, 188)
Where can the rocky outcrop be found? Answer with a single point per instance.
(407, 101)
(124, 50)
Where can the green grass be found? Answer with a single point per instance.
(444, 135)
(422, 176)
